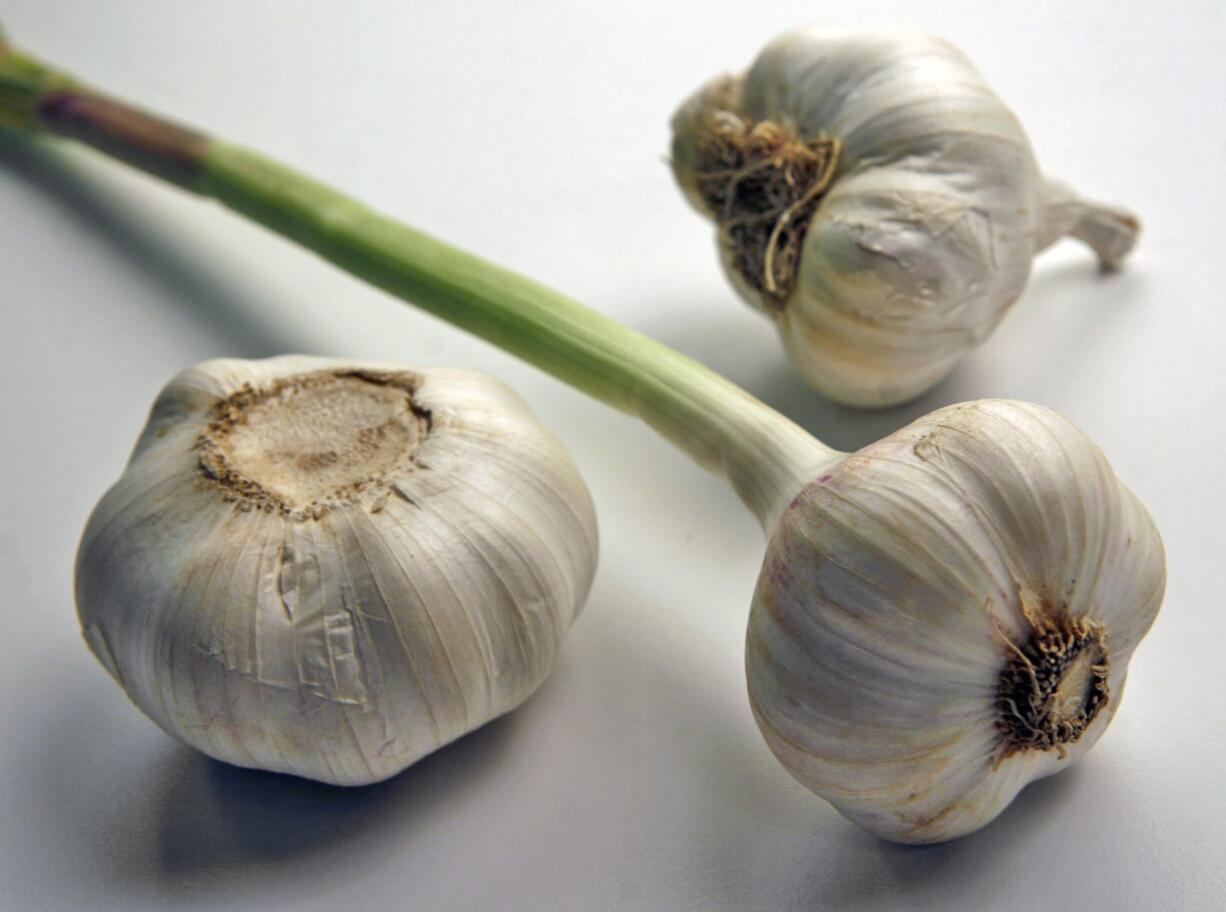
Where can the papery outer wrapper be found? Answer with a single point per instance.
(890, 587)
(926, 234)
(346, 647)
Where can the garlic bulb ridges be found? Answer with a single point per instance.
(332, 569)
(947, 615)
(898, 199)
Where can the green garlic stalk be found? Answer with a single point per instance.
(941, 617)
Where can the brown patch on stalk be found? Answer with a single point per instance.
(150, 143)
(761, 183)
(1054, 686)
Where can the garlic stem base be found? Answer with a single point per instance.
(1111, 232)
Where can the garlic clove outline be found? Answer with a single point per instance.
(333, 568)
(929, 209)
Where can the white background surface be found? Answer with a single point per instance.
(533, 133)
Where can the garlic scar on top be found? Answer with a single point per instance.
(313, 441)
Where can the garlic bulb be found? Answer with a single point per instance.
(877, 201)
(947, 615)
(941, 617)
(332, 569)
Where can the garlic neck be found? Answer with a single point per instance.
(766, 458)
(1107, 230)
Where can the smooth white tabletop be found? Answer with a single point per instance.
(533, 133)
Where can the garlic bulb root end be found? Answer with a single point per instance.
(760, 182)
(1052, 687)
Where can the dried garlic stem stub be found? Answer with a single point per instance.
(876, 200)
(941, 617)
(332, 569)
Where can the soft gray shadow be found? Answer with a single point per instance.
(185, 278)
(1071, 309)
(818, 860)
(215, 817)
(159, 819)
(929, 872)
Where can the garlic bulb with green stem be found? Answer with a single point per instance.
(331, 569)
(878, 202)
(941, 617)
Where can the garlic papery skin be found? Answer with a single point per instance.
(947, 615)
(331, 569)
(878, 202)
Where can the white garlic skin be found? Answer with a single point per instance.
(877, 636)
(926, 235)
(340, 648)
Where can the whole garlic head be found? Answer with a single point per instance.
(878, 201)
(332, 569)
(947, 615)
